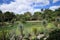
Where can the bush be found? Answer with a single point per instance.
(54, 35)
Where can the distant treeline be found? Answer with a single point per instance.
(46, 14)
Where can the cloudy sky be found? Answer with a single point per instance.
(21, 6)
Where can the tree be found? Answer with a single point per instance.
(57, 12)
(48, 15)
(0, 11)
(56, 16)
(1, 16)
(18, 17)
(9, 16)
(27, 16)
(37, 15)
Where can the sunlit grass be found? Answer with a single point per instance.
(28, 27)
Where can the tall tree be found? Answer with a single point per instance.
(37, 15)
(57, 16)
(27, 15)
(1, 15)
(48, 14)
(9, 16)
(57, 12)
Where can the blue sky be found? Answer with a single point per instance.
(21, 6)
(6, 1)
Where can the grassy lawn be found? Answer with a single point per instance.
(29, 26)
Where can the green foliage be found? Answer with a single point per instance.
(27, 16)
(54, 35)
(37, 15)
(47, 14)
(8, 16)
(50, 27)
(35, 30)
(51, 17)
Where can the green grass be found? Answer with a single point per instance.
(28, 27)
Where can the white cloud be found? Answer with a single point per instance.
(54, 1)
(41, 2)
(54, 7)
(21, 6)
